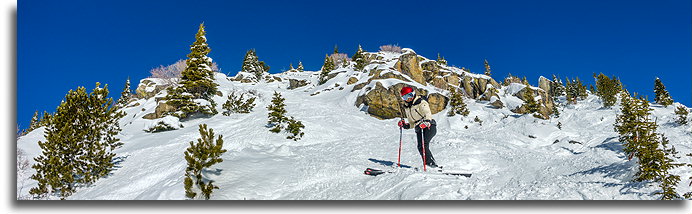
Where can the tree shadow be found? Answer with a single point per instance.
(212, 171)
(387, 163)
(572, 151)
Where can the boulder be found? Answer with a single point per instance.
(160, 111)
(148, 89)
(384, 103)
(294, 83)
(409, 65)
(352, 80)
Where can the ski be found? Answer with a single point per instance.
(376, 172)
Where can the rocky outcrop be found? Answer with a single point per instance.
(294, 83)
(148, 88)
(384, 103)
(545, 102)
(160, 111)
(409, 65)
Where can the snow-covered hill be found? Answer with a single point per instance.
(511, 156)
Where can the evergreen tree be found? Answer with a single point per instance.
(688, 195)
(456, 103)
(557, 89)
(34, 122)
(197, 82)
(45, 120)
(277, 113)
(336, 49)
(668, 180)
(581, 89)
(125, 96)
(238, 104)
(639, 137)
(662, 95)
(607, 89)
(198, 76)
(531, 105)
(300, 66)
(79, 142)
(200, 156)
(487, 68)
(682, 113)
(294, 127)
(441, 60)
(291, 67)
(359, 58)
(251, 64)
(575, 90)
(326, 68)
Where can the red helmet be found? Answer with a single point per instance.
(406, 90)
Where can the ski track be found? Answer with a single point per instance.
(339, 139)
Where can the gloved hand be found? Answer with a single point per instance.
(402, 123)
(424, 124)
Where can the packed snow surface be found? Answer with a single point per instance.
(511, 156)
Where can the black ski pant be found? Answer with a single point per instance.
(428, 133)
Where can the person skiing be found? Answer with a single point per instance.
(417, 111)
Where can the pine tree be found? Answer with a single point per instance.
(456, 103)
(45, 120)
(79, 142)
(277, 113)
(487, 68)
(326, 68)
(34, 122)
(197, 82)
(531, 105)
(251, 64)
(688, 195)
(662, 95)
(581, 89)
(557, 89)
(200, 156)
(198, 76)
(639, 137)
(125, 96)
(300, 66)
(291, 67)
(336, 49)
(575, 90)
(441, 60)
(359, 58)
(682, 113)
(665, 164)
(294, 127)
(607, 89)
(238, 104)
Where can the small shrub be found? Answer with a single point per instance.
(391, 48)
(294, 127)
(200, 156)
(238, 104)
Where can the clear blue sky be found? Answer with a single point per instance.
(66, 44)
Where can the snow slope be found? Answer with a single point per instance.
(511, 156)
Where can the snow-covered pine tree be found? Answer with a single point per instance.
(441, 60)
(531, 105)
(662, 95)
(34, 122)
(456, 104)
(607, 89)
(300, 66)
(487, 68)
(277, 113)
(79, 142)
(237, 104)
(125, 96)
(251, 64)
(666, 163)
(197, 82)
(557, 89)
(326, 68)
(638, 135)
(294, 127)
(200, 156)
(45, 120)
(682, 113)
(359, 58)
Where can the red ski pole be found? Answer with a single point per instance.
(398, 160)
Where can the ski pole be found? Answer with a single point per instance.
(422, 140)
(398, 160)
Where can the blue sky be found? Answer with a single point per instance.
(66, 44)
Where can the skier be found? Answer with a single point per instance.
(417, 111)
